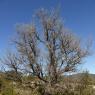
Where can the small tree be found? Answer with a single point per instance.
(13, 64)
(85, 84)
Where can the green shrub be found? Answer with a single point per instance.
(8, 91)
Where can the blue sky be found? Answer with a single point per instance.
(78, 16)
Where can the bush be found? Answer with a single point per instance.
(8, 91)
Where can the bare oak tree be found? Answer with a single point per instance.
(47, 49)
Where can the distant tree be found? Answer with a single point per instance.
(48, 50)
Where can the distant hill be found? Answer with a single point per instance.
(81, 74)
(77, 77)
